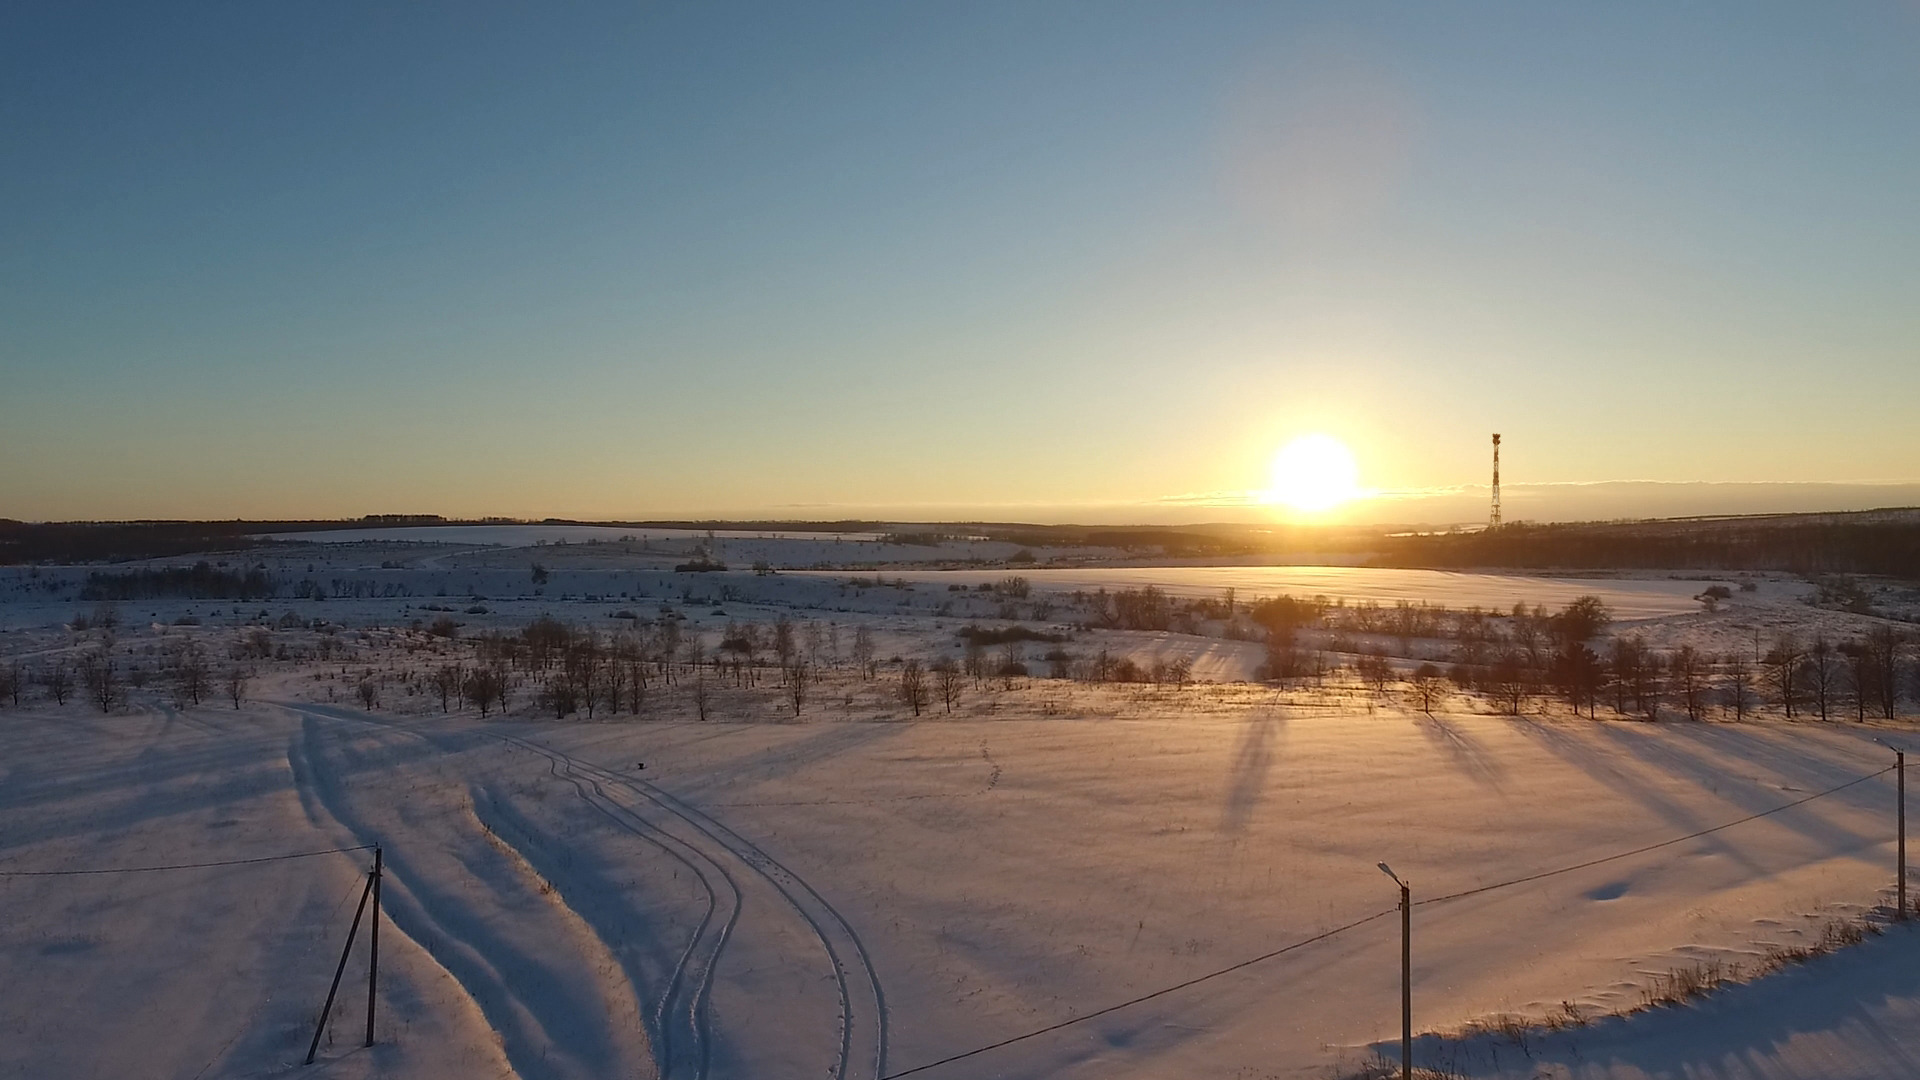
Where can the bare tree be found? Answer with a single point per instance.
(1738, 681)
(973, 659)
(667, 641)
(368, 691)
(1885, 643)
(1429, 686)
(1101, 667)
(1013, 661)
(1581, 620)
(236, 682)
(611, 685)
(1511, 681)
(913, 686)
(10, 683)
(1577, 671)
(192, 680)
(101, 680)
(1859, 677)
(1689, 678)
(1820, 673)
(1650, 687)
(447, 682)
(797, 678)
(863, 651)
(784, 645)
(694, 651)
(1629, 655)
(636, 686)
(58, 679)
(816, 640)
(1374, 669)
(946, 679)
(1783, 666)
(702, 697)
(481, 687)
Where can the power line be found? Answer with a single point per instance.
(1650, 847)
(1382, 914)
(1144, 997)
(182, 866)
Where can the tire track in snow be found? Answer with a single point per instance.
(681, 1024)
(863, 1015)
(547, 1017)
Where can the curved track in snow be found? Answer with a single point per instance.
(863, 1015)
(721, 862)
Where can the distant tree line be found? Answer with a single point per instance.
(201, 581)
(1808, 546)
(1529, 655)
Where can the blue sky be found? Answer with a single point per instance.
(1035, 260)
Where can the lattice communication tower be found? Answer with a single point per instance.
(1493, 521)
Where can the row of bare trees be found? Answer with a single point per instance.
(184, 671)
(581, 670)
(1861, 678)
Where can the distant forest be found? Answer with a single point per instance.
(1878, 542)
(201, 581)
(91, 542)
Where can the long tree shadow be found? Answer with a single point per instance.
(1695, 761)
(1638, 788)
(1247, 775)
(1465, 751)
(766, 764)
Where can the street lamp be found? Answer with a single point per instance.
(1900, 786)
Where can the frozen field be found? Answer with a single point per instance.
(529, 535)
(1632, 598)
(859, 898)
(846, 888)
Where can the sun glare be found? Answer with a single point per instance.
(1314, 473)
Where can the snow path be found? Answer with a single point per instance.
(680, 1021)
(552, 988)
(205, 973)
(797, 935)
(863, 1019)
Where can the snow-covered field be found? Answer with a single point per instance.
(857, 891)
(799, 899)
(1631, 598)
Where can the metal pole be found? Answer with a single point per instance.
(1406, 983)
(338, 971)
(373, 964)
(1900, 767)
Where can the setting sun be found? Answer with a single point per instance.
(1314, 473)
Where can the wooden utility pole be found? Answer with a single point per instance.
(1900, 771)
(373, 964)
(314, 1047)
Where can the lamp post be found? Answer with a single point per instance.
(1900, 813)
(1406, 973)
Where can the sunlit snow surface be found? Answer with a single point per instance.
(856, 892)
(997, 873)
(1630, 598)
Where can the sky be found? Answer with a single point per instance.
(1026, 261)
